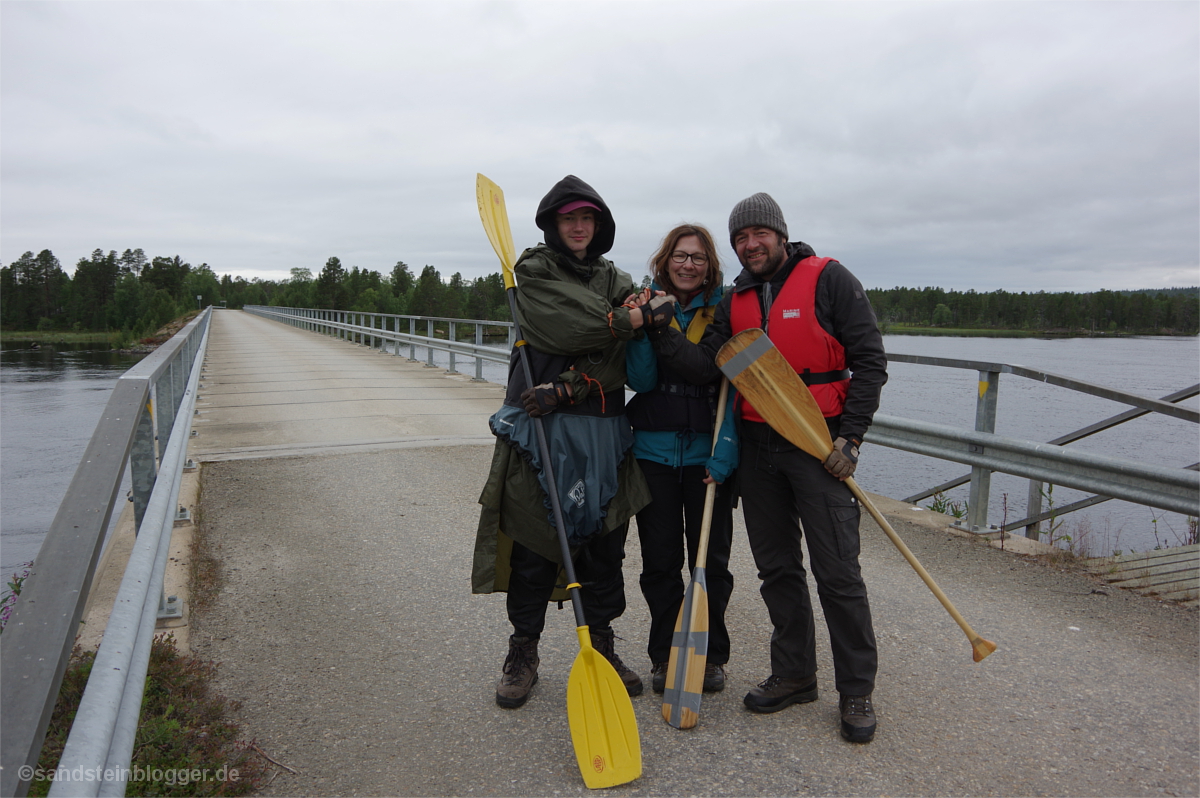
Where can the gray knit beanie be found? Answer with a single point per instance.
(757, 211)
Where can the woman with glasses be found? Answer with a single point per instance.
(673, 422)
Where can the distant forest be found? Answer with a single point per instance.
(133, 296)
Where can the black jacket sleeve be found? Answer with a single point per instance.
(696, 363)
(843, 310)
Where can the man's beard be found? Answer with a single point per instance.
(776, 257)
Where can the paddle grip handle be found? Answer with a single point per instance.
(975, 639)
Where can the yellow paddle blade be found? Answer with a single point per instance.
(603, 727)
(495, 223)
(768, 382)
(689, 654)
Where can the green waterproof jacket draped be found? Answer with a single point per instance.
(569, 311)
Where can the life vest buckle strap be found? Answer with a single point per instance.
(824, 377)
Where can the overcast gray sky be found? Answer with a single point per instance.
(1015, 145)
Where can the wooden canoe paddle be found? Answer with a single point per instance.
(689, 645)
(599, 712)
(764, 377)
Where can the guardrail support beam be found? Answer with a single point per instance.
(981, 478)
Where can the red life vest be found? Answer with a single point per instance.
(794, 330)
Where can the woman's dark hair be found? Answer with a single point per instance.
(659, 264)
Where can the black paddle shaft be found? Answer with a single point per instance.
(548, 470)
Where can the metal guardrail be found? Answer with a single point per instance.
(1176, 489)
(996, 453)
(36, 644)
(371, 329)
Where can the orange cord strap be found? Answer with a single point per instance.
(590, 381)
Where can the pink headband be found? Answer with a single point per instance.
(576, 205)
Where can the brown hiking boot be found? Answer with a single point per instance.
(777, 693)
(602, 641)
(858, 718)
(520, 672)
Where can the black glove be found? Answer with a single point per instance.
(842, 461)
(658, 312)
(545, 398)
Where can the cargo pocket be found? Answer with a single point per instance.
(844, 513)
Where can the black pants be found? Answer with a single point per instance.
(672, 519)
(598, 569)
(782, 488)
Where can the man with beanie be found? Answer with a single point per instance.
(573, 313)
(818, 315)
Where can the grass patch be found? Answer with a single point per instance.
(185, 743)
(44, 337)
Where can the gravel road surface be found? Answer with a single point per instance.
(346, 628)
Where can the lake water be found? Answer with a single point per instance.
(52, 398)
(1148, 366)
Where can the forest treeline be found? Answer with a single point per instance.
(1173, 311)
(132, 295)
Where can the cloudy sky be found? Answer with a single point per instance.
(1015, 145)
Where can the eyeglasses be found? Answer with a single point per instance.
(698, 258)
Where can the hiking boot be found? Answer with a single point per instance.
(778, 692)
(714, 678)
(602, 641)
(858, 718)
(519, 674)
(658, 677)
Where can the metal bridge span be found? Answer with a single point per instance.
(338, 487)
(340, 483)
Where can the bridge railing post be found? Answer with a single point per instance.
(143, 470)
(429, 349)
(452, 338)
(1033, 508)
(981, 478)
(478, 360)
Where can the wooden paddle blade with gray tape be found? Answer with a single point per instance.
(689, 654)
(768, 382)
(689, 646)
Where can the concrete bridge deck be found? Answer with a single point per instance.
(338, 489)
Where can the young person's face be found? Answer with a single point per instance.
(761, 250)
(687, 275)
(577, 229)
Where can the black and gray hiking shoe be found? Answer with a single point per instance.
(658, 677)
(602, 641)
(858, 718)
(520, 672)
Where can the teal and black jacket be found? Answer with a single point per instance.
(672, 418)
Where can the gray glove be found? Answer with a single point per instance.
(541, 400)
(658, 312)
(842, 461)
